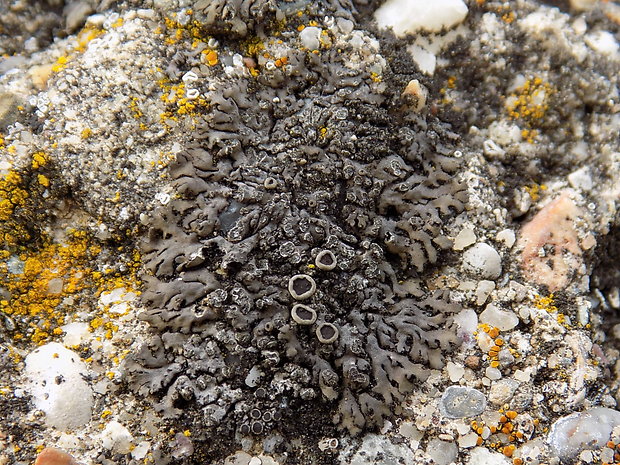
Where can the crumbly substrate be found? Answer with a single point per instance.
(265, 232)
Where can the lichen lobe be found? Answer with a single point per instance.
(309, 161)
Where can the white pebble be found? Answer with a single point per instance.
(482, 260)
(408, 16)
(522, 376)
(116, 438)
(464, 239)
(483, 456)
(75, 333)
(602, 42)
(581, 179)
(56, 382)
(502, 391)
(507, 237)
(493, 373)
(468, 440)
(483, 291)
(583, 430)
(140, 451)
(310, 38)
(455, 372)
(505, 320)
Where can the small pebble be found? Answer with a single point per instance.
(455, 372)
(408, 16)
(483, 456)
(589, 429)
(442, 452)
(483, 291)
(464, 239)
(472, 361)
(469, 440)
(493, 373)
(507, 237)
(310, 38)
(51, 456)
(502, 391)
(57, 383)
(505, 320)
(462, 402)
(482, 260)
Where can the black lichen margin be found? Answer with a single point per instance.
(303, 159)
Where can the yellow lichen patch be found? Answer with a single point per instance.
(39, 159)
(43, 180)
(192, 30)
(12, 194)
(43, 282)
(135, 110)
(86, 133)
(38, 281)
(2, 143)
(115, 290)
(87, 34)
(546, 303)
(180, 101)
(529, 103)
(61, 63)
(252, 47)
(534, 191)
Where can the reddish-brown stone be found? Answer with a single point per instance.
(51, 456)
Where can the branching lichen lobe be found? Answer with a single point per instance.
(310, 204)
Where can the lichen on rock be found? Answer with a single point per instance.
(307, 182)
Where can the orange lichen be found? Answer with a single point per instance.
(529, 104)
(38, 281)
(179, 103)
(503, 435)
(493, 353)
(211, 57)
(12, 194)
(88, 33)
(534, 191)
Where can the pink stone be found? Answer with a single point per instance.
(550, 245)
(51, 456)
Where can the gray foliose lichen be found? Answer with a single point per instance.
(308, 205)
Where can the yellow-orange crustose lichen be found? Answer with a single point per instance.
(39, 281)
(498, 343)
(48, 284)
(529, 103)
(45, 280)
(504, 434)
